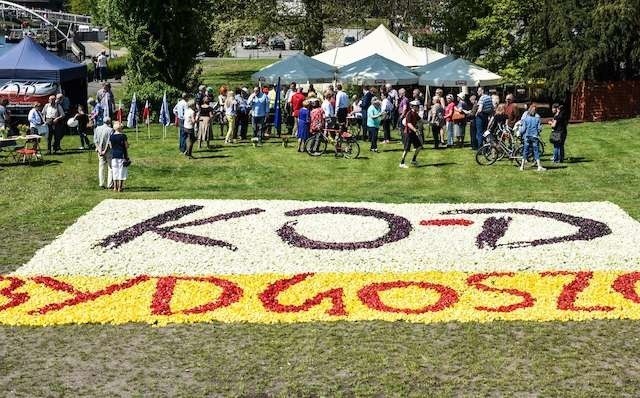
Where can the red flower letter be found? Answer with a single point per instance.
(79, 296)
(370, 296)
(626, 285)
(270, 301)
(161, 304)
(569, 295)
(476, 281)
(15, 299)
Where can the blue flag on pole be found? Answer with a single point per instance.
(165, 119)
(132, 119)
(277, 118)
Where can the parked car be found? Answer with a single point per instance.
(296, 44)
(249, 42)
(277, 43)
(348, 40)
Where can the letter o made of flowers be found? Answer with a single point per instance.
(399, 228)
(370, 296)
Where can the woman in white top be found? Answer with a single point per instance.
(189, 125)
(230, 111)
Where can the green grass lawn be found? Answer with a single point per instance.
(344, 359)
(232, 72)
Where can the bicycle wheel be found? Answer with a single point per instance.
(350, 149)
(516, 158)
(315, 145)
(487, 155)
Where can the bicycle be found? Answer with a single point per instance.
(495, 150)
(344, 144)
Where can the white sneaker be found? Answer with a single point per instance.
(403, 166)
(540, 168)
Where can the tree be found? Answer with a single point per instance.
(84, 7)
(586, 39)
(163, 39)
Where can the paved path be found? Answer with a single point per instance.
(93, 48)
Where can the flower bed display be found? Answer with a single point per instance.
(284, 261)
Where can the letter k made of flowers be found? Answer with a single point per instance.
(154, 224)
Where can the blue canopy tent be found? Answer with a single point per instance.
(296, 68)
(28, 61)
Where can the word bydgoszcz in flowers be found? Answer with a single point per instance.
(163, 262)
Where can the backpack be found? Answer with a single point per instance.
(437, 117)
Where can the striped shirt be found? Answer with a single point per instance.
(486, 105)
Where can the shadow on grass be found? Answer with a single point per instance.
(35, 163)
(437, 164)
(211, 157)
(573, 160)
(142, 189)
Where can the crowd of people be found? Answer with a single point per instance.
(307, 112)
(304, 112)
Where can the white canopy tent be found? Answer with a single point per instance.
(376, 69)
(458, 73)
(380, 41)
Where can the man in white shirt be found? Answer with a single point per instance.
(102, 66)
(393, 97)
(327, 107)
(178, 112)
(342, 106)
(54, 117)
(101, 137)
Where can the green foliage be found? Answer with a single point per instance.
(591, 39)
(151, 91)
(84, 7)
(163, 39)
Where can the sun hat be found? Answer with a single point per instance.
(461, 95)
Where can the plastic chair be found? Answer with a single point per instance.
(31, 151)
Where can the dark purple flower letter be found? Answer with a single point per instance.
(154, 225)
(399, 228)
(588, 229)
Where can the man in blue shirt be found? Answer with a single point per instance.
(259, 104)
(342, 106)
(485, 110)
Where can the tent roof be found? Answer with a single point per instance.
(383, 42)
(376, 69)
(433, 65)
(459, 72)
(29, 60)
(296, 68)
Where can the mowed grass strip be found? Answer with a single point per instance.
(364, 358)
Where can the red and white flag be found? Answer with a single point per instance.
(146, 113)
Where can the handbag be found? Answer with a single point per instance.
(43, 129)
(458, 116)
(555, 137)
(127, 162)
